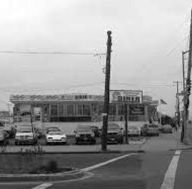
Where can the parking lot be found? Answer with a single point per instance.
(136, 134)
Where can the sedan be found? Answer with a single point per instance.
(134, 131)
(56, 137)
(52, 129)
(166, 129)
(25, 135)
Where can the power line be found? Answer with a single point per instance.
(176, 46)
(51, 89)
(51, 53)
(144, 85)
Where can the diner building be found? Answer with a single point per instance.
(83, 107)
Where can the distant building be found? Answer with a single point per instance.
(81, 107)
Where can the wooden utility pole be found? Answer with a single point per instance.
(188, 85)
(126, 124)
(183, 93)
(177, 112)
(183, 117)
(106, 95)
(183, 69)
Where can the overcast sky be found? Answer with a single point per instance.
(148, 38)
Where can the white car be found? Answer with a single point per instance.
(25, 136)
(54, 137)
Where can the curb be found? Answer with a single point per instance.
(75, 174)
(75, 152)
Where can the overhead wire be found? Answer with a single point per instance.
(50, 53)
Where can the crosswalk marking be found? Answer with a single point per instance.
(107, 162)
(169, 179)
(43, 186)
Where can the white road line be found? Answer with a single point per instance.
(169, 179)
(43, 186)
(106, 162)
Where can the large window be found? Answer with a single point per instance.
(79, 109)
(54, 110)
(112, 109)
(70, 110)
(86, 110)
(61, 110)
(120, 109)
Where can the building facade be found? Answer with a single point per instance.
(81, 107)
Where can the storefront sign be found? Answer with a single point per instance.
(126, 96)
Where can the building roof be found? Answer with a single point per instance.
(55, 98)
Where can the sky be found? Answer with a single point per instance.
(148, 37)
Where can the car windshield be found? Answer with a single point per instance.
(24, 131)
(133, 128)
(113, 127)
(55, 133)
(53, 129)
(83, 128)
(153, 126)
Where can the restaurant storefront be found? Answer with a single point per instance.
(80, 107)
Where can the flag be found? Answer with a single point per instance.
(162, 101)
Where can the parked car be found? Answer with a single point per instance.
(134, 130)
(150, 129)
(25, 135)
(114, 133)
(4, 137)
(51, 129)
(84, 134)
(56, 137)
(96, 130)
(166, 129)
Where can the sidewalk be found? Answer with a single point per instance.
(164, 142)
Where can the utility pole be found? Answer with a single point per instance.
(177, 112)
(106, 95)
(188, 85)
(183, 69)
(183, 93)
(126, 124)
(183, 115)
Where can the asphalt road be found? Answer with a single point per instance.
(140, 171)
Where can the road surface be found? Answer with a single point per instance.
(137, 171)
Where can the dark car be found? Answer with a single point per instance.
(4, 137)
(114, 133)
(96, 130)
(166, 129)
(84, 134)
(150, 129)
